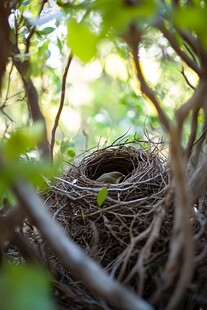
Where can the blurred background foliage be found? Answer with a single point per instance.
(103, 100)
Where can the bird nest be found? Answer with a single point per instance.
(122, 234)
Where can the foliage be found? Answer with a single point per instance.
(24, 288)
(19, 162)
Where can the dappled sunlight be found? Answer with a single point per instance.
(116, 67)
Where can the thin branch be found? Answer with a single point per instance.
(190, 51)
(148, 91)
(32, 97)
(191, 140)
(73, 256)
(33, 28)
(191, 41)
(60, 106)
(192, 103)
(198, 144)
(171, 39)
(186, 79)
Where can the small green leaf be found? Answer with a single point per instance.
(101, 197)
(71, 153)
(46, 30)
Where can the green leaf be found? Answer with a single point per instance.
(26, 2)
(71, 153)
(82, 41)
(24, 287)
(46, 30)
(23, 140)
(101, 197)
(118, 15)
(194, 19)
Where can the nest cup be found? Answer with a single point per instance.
(113, 234)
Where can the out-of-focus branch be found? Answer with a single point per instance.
(4, 38)
(28, 39)
(31, 92)
(198, 181)
(73, 257)
(8, 223)
(148, 91)
(194, 126)
(181, 247)
(169, 36)
(33, 104)
(186, 79)
(192, 103)
(60, 106)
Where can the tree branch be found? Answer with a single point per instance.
(186, 79)
(60, 106)
(193, 103)
(28, 39)
(33, 103)
(148, 91)
(169, 36)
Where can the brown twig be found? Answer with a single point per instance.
(186, 79)
(194, 127)
(60, 106)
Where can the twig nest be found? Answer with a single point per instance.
(115, 232)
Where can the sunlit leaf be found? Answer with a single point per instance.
(46, 30)
(101, 197)
(82, 41)
(23, 140)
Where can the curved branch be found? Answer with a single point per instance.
(61, 105)
(145, 88)
(169, 36)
